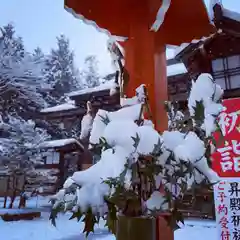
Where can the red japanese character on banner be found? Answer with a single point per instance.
(221, 186)
(225, 235)
(223, 222)
(221, 196)
(226, 159)
(227, 121)
(222, 208)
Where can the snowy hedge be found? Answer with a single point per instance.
(141, 172)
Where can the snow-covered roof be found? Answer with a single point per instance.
(231, 14)
(183, 46)
(59, 143)
(176, 69)
(179, 49)
(105, 86)
(61, 107)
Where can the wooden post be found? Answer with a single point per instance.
(146, 64)
(163, 231)
(61, 170)
(161, 88)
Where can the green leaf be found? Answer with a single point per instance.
(157, 148)
(77, 215)
(123, 174)
(103, 143)
(167, 106)
(90, 221)
(134, 169)
(199, 112)
(174, 218)
(214, 142)
(52, 218)
(105, 120)
(221, 139)
(111, 220)
(136, 141)
(54, 212)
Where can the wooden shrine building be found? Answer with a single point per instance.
(100, 97)
(65, 115)
(179, 83)
(68, 115)
(218, 54)
(64, 156)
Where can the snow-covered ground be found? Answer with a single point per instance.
(41, 229)
(72, 230)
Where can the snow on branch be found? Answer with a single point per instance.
(141, 172)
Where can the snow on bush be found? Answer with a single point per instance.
(142, 172)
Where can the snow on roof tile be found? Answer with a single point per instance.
(231, 14)
(105, 86)
(61, 107)
(59, 143)
(183, 46)
(176, 69)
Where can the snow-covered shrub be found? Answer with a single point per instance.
(175, 116)
(142, 172)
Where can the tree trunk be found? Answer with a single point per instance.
(23, 198)
(143, 228)
(22, 202)
(13, 197)
(6, 193)
(5, 202)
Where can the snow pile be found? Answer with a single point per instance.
(87, 121)
(156, 201)
(128, 148)
(131, 113)
(139, 98)
(204, 91)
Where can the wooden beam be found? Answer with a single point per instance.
(61, 170)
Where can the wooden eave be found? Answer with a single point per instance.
(172, 61)
(228, 25)
(196, 48)
(89, 96)
(225, 24)
(186, 51)
(63, 113)
(177, 77)
(67, 148)
(70, 148)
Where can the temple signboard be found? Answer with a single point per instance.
(226, 162)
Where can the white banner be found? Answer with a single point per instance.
(227, 208)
